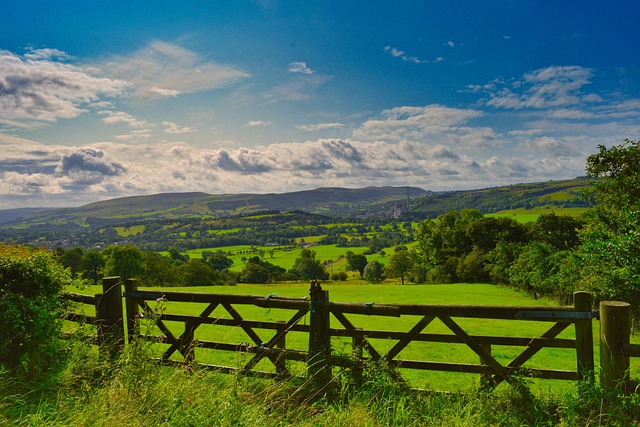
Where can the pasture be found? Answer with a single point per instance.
(331, 255)
(531, 215)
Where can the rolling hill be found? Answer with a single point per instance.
(327, 201)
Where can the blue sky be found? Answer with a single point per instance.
(109, 99)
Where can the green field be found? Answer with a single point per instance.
(456, 294)
(531, 215)
(129, 231)
(285, 256)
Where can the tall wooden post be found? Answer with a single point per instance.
(615, 333)
(486, 377)
(356, 353)
(187, 342)
(582, 302)
(110, 317)
(131, 305)
(280, 362)
(319, 336)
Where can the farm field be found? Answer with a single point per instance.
(455, 294)
(285, 256)
(531, 215)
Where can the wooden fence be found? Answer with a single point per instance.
(312, 316)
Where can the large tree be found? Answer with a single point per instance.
(611, 239)
(92, 265)
(307, 267)
(126, 261)
(374, 272)
(400, 264)
(356, 262)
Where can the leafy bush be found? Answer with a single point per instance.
(30, 284)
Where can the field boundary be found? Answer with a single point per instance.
(118, 316)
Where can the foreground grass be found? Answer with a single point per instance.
(133, 392)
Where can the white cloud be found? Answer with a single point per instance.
(436, 161)
(298, 89)
(543, 88)
(300, 67)
(319, 126)
(165, 69)
(258, 123)
(397, 53)
(173, 128)
(37, 86)
(419, 124)
(114, 117)
(135, 135)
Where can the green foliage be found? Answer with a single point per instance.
(257, 270)
(30, 284)
(356, 262)
(197, 272)
(610, 253)
(339, 276)
(125, 261)
(374, 272)
(92, 266)
(400, 264)
(307, 267)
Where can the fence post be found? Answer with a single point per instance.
(582, 302)
(615, 334)
(319, 335)
(187, 344)
(110, 317)
(356, 353)
(131, 285)
(280, 361)
(486, 377)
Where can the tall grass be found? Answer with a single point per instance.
(136, 392)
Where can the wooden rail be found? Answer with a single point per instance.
(324, 321)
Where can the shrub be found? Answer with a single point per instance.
(30, 284)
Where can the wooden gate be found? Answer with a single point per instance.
(323, 322)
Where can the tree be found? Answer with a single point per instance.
(125, 261)
(442, 242)
(72, 259)
(307, 267)
(400, 263)
(177, 257)
(197, 272)
(159, 270)
(258, 271)
(374, 272)
(218, 259)
(561, 232)
(356, 262)
(31, 281)
(92, 266)
(610, 253)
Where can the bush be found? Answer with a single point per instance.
(30, 309)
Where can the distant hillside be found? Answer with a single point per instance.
(8, 215)
(561, 193)
(327, 201)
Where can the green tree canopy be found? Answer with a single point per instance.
(30, 309)
(356, 262)
(374, 272)
(400, 264)
(307, 267)
(610, 253)
(125, 261)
